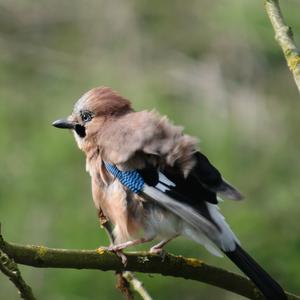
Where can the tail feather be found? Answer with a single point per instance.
(264, 282)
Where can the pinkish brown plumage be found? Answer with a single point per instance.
(115, 134)
(150, 181)
(113, 137)
(116, 137)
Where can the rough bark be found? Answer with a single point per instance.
(177, 266)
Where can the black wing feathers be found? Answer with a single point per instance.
(150, 175)
(199, 187)
(205, 172)
(185, 190)
(212, 179)
(190, 187)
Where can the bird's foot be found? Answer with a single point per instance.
(159, 251)
(118, 251)
(123, 257)
(119, 247)
(116, 248)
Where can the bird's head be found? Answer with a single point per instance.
(91, 112)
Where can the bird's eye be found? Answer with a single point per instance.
(86, 116)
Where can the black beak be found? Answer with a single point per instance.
(63, 123)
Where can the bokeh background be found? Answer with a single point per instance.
(211, 65)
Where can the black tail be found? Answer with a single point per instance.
(268, 286)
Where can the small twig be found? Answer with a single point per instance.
(123, 286)
(284, 37)
(10, 269)
(137, 285)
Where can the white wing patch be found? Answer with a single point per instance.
(162, 178)
(164, 184)
(162, 187)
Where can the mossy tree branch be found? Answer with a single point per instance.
(177, 266)
(284, 37)
(10, 269)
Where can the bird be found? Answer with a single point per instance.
(151, 181)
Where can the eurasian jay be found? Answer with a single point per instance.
(149, 178)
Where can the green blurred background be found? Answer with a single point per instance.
(211, 65)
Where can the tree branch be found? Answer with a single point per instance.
(177, 266)
(284, 37)
(124, 286)
(137, 285)
(10, 269)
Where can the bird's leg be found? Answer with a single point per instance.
(158, 248)
(118, 249)
(122, 246)
(106, 224)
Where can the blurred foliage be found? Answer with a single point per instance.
(211, 65)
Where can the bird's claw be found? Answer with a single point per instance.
(115, 248)
(123, 257)
(159, 251)
(118, 251)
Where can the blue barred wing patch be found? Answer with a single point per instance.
(131, 179)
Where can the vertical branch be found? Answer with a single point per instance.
(284, 37)
(123, 286)
(137, 285)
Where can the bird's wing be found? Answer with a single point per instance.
(211, 179)
(186, 197)
(139, 139)
(151, 156)
(161, 164)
